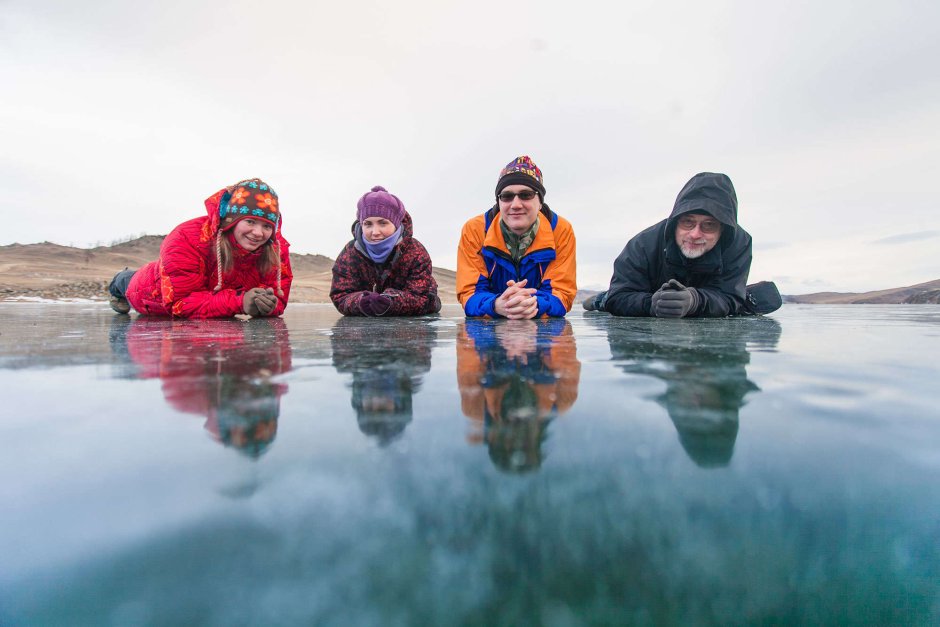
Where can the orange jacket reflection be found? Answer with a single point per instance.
(515, 376)
(220, 369)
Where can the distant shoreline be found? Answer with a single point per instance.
(54, 272)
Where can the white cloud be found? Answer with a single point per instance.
(905, 238)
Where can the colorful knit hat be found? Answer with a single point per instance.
(378, 203)
(251, 198)
(521, 171)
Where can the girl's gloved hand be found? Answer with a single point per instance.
(248, 301)
(265, 301)
(372, 304)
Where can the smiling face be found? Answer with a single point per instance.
(252, 234)
(696, 234)
(518, 214)
(376, 229)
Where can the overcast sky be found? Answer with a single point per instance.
(119, 118)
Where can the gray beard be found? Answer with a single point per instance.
(692, 254)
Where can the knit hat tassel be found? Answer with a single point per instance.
(280, 292)
(218, 258)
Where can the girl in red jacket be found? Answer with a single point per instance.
(231, 261)
(383, 271)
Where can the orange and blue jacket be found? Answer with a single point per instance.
(484, 265)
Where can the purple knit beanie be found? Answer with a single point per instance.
(378, 203)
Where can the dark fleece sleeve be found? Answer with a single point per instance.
(348, 285)
(631, 285)
(419, 294)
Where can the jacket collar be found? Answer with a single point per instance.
(544, 238)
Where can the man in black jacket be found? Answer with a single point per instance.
(693, 264)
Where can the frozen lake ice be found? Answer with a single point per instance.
(594, 470)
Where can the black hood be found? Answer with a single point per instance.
(711, 193)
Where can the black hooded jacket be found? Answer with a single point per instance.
(652, 257)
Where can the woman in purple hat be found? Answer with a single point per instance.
(384, 270)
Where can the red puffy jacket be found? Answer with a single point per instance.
(182, 281)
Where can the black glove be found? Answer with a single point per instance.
(372, 304)
(594, 303)
(266, 301)
(248, 301)
(674, 300)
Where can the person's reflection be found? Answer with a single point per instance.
(387, 361)
(515, 376)
(703, 366)
(220, 369)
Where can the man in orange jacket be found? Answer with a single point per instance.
(517, 260)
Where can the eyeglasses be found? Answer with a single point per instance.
(708, 225)
(526, 194)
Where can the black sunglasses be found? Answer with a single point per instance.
(526, 194)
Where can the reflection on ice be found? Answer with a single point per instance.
(515, 376)
(386, 362)
(741, 471)
(220, 369)
(703, 365)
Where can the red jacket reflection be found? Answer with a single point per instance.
(219, 369)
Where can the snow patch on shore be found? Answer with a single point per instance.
(51, 301)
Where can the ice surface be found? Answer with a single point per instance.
(321, 470)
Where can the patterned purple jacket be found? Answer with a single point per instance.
(405, 277)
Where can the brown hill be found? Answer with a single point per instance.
(53, 271)
(921, 293)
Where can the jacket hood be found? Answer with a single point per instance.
(709, 192)
(212, 208)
